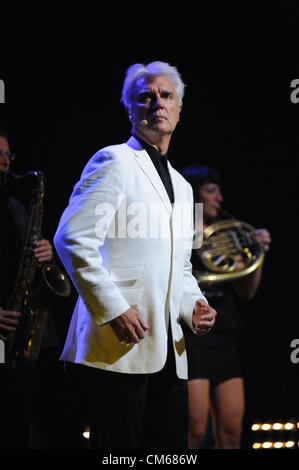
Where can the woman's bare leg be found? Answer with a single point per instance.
(227, 399)
(199, 405)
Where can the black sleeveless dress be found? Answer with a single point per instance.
(215, 355)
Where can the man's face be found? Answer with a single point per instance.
(4, 155)
(155, 100)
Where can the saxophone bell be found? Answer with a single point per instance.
(55, 280)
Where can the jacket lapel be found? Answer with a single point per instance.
(144, 161)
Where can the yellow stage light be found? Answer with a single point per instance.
(278, 445)
(255, 427)
(266, 427)
(257, 445)
(277, 426)
(267, 445)
(289, 426)
(289, 444)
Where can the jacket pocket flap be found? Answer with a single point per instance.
(127, 273)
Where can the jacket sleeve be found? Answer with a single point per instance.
(191, 293)
(191, 289)
(82, 231)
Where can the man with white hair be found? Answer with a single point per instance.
(134, 287)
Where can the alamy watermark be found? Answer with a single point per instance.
(295, 353)
(294, 96)
(2, 352)
(149, 221)
(2, 91)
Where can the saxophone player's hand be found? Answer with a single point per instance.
(43, 251)
(8, 322)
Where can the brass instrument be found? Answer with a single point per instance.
(222, 242)
(32, 294)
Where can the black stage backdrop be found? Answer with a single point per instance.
(63, 72)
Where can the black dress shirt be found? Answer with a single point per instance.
(160, 162)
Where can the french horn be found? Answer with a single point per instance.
(222, 243)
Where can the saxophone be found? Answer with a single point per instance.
(33, 295)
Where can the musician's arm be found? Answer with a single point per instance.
(247, 286)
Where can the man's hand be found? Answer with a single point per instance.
(203, 317)
(8, 322)
(129, 327)
(43, 251)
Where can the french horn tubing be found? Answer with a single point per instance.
(222, 242)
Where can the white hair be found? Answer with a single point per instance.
(153, 69)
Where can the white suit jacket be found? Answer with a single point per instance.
(121, 242)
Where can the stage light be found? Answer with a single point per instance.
(275, 445)
(256, 445)
(86, 433)
(289, 426)
(267, 445)
(290, 444)
(278, 445)
(277, 426)
(255, 427)
(266, 427)
(285, 430)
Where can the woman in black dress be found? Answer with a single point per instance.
(215, 382)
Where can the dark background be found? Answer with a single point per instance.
(63, 70)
